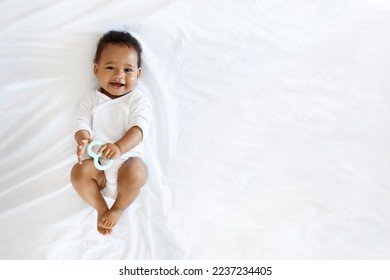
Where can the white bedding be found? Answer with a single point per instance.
(270, 137)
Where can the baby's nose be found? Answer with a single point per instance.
(119, 74)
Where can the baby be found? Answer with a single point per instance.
(118, 114)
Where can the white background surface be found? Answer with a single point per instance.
(270, 137)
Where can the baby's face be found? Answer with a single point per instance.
(117, 70)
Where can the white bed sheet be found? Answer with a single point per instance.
(270, 137)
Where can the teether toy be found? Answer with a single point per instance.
(97, 156)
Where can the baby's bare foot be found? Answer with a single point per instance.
(101, 229)
(111, 218)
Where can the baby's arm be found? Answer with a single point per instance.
(131, 139)
(82, 138)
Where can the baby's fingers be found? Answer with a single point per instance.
(102, 148)
(110, 155)
(80, 152)
(81, 149)
(83, 144)
(79, 159)
(106, 153)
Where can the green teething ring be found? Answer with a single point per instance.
(97, 156)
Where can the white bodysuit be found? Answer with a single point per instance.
(107, 120)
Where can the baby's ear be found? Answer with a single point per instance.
(95, 68)
(139, 72)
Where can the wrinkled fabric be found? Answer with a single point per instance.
(270, 134)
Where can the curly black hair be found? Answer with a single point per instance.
(118, 38)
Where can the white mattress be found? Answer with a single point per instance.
(270, 138)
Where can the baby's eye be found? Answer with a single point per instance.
(110, 67)
(128, 70)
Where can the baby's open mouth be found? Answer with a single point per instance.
(117, 85)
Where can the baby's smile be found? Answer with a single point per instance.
(117, 85)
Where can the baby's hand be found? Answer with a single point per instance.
(81, 148)
(109, 151)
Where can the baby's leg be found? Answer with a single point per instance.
(88, 181)
(131, 177)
